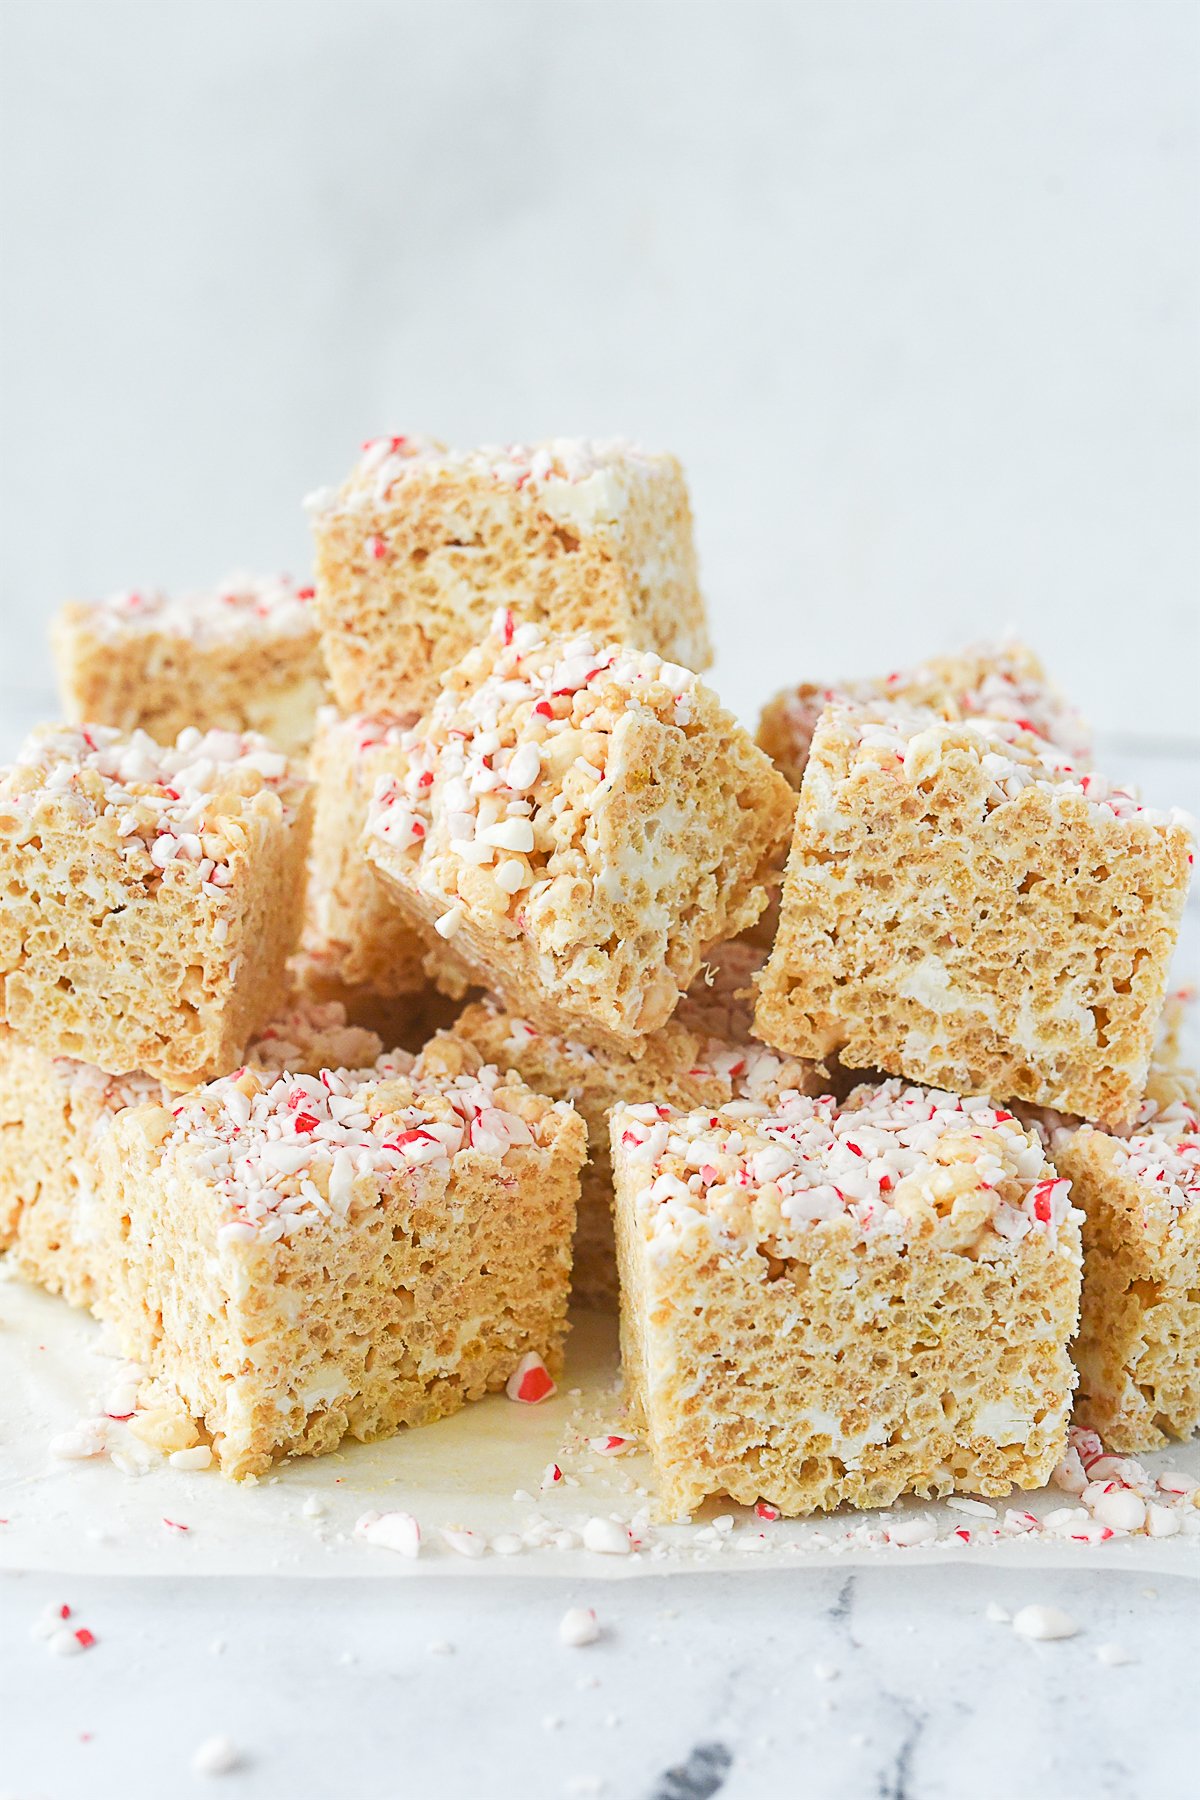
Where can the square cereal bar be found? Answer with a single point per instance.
(353, 925)
(244, 656)
(1000, 681)
(582, 825)
(961, 909)
(305, 1259)
(152, 896)
(683, 1065)
(55, 1111)
(1138, 1349)
(825, 1304)
(420, 545)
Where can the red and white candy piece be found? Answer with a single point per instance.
(578, 1626)
(397, 1531)
(530, 1381)
(612, 1444)
(463, 1542)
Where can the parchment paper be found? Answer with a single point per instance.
(481, 1470)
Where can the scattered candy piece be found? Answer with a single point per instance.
(911, 1531)
(198, 1457)
(1113, 1656)
(83, 1440)
(1044, 1623)
(578, 1627)
(612, 1444)
(606, 1537)
(216, 1756)
(999, 1615)
(530, 1380)
(397, 1531)
(464, 1543)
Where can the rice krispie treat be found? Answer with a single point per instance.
(244, 656)
(1000, 681)
(822, 1304)
(961, 909)
(309, 1258)
(55, 1111)
(582, 825)
(683, 1065)
(420, 545)
(152, 896)
(1138, 1349)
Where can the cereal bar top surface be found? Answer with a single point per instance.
(1161, 1150)
(241, 606)
(360, 732)
(1000, 681)
(111, 1094)
(748, 1070)
(511, 761)
(1012, 756)
(287, 1153)
(891, 1164)
(161, 796)
(387, 462)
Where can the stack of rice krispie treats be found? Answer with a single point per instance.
(834, 1061)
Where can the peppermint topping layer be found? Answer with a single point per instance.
(995, 681)
(749, 1070)
(1011, 755)
(159, 795)
(505, 771)
(893, 1161)
(289, 1153)
(388, 461)
(1162, 1152)
(367, 731)
(242, 606)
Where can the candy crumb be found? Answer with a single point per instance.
(578, 1626)
(530, 1381)
(606, 1537)
(216, 1756)
(1044, 1623)
(397, 1531)
(999, 1615)
(1113, 1656)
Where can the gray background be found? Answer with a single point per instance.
(912, 288)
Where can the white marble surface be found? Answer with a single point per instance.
(713, 1686)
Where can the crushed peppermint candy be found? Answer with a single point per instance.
(1001, 681)
(1012, 756)
(530, 1382)
(891, 1157)
(388, 461)
(1044, 1624)
(166, 801)
(297, 1151)
(240, 607)
(216, 1756)
(578, 1627)
(397, 1531)
(1161, 1152)
(502, 777)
